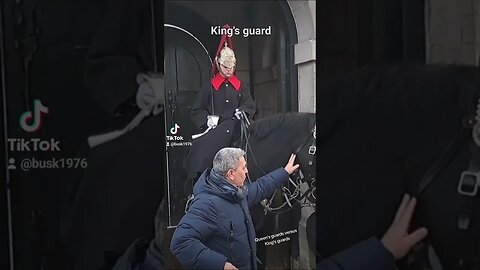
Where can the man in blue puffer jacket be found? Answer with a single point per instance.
(217, 232)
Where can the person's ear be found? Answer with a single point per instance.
(230, 175)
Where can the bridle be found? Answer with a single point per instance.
(303, 174)
(294, 196)
(469, 183)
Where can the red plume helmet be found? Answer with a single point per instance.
(224, 51)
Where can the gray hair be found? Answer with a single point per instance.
(227, 158)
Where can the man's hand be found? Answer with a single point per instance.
(290, 168)
(396, 239)
(229, 266)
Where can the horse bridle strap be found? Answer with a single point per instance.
(468, 188)
(311, 137)
(311, 151)
(470, 179)
(443, 160)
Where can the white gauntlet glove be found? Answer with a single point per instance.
(150, 94)
(212, 121)
(238, 114)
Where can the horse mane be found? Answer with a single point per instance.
(293, 120)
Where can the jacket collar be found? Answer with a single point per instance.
(218, 80)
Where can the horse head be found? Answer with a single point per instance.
(453, 175)
(271, 142)
(381, 131)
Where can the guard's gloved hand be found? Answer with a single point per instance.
(212, 121)
(150, 93)
(238, 114)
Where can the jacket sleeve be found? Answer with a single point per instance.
(265, 186)
(196, 226)
(246, 101)
(367, 255)
(200, 108)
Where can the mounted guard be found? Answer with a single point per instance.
(218, 109)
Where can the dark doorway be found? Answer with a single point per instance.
(188, 65)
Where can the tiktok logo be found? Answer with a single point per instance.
(32, 121)
(174, 129)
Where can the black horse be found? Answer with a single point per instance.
(380, 129)
(271, 141)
